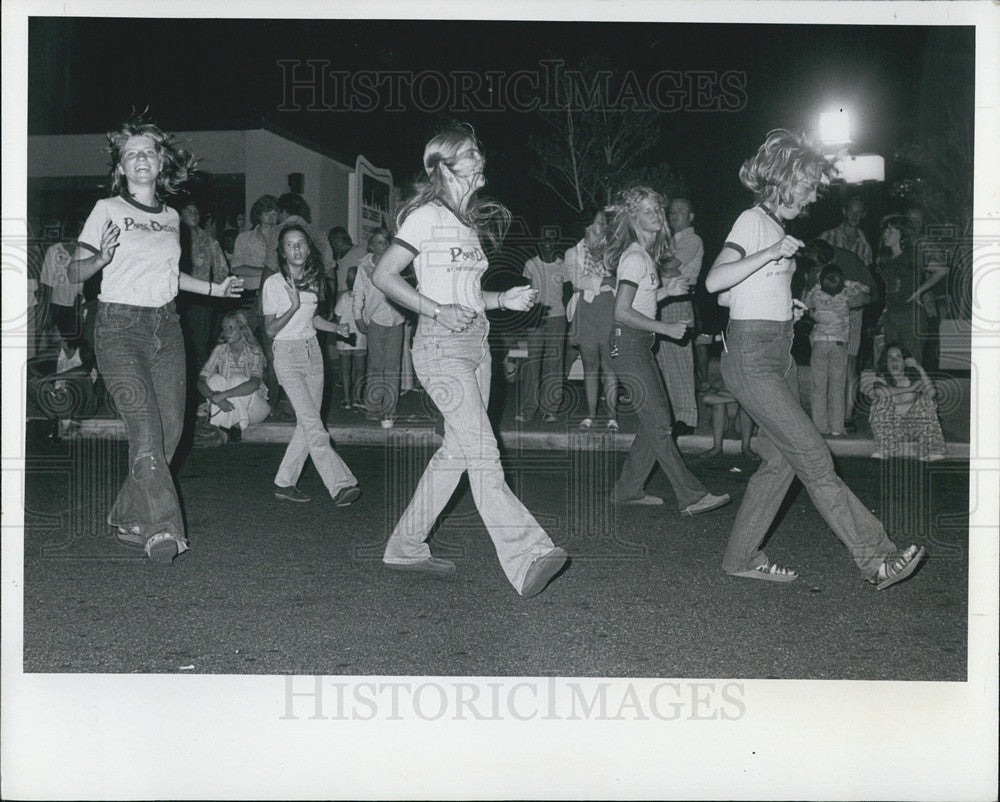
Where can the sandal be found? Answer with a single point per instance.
(586, 423)
(897, 567)
(130, 536)
(769, 572)
(613, 425)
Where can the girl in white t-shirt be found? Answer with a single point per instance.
(439, 231)
(755, 267)
(638, 241)
(290, 300)
(133, 237)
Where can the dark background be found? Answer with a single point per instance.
(85, 75)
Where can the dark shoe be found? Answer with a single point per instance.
(541, 572)
(346, 496)
(707, 503)
(680, 429)
(235, 434)
(432, 565)
(850, 427)
(290, 494)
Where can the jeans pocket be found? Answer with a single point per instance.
(114, 322)
(757, 342)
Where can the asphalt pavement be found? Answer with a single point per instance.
(272, 587)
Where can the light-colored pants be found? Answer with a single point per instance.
(454, 368)
(828, 369)
(299, 367)
(247, 409)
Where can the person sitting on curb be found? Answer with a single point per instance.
(232, 379)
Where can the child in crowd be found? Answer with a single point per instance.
(830, 301)
(352, 349)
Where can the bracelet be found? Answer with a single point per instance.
(500, 302)
(437, 311)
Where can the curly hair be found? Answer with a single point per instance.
(487, 218)
(785, 163)
(177, 163)
(622, 230)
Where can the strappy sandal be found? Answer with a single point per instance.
(897, 567)
(768, 572)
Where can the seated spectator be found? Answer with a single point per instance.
(903, 406)
(232, 379)
(353, 349)
(727, 413)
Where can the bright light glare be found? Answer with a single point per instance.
(835, 127)
(863, 167)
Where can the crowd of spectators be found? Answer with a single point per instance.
(861, 302)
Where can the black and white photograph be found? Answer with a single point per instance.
(552, 401)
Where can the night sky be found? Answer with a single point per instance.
(86, 74)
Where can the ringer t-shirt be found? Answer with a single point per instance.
(448, 257)
(144, 268)
(275, 301)
(637, 267)
(766, 294)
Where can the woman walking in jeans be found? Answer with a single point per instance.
(134, 238)
(289, 300)
(439, 231)
(637, 242)
(756, 267)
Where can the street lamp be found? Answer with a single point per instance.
(835, 136)
(835, 128)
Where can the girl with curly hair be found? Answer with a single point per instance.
(755, 270)
(133, 236)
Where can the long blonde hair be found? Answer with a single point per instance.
(487, 218)
(622, 229)
(246, 332)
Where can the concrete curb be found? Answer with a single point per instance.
(564, 439)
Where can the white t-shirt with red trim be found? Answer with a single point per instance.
(144, 268)
(449, 260)
(274, 300)
(636, 266)
(766, 294)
